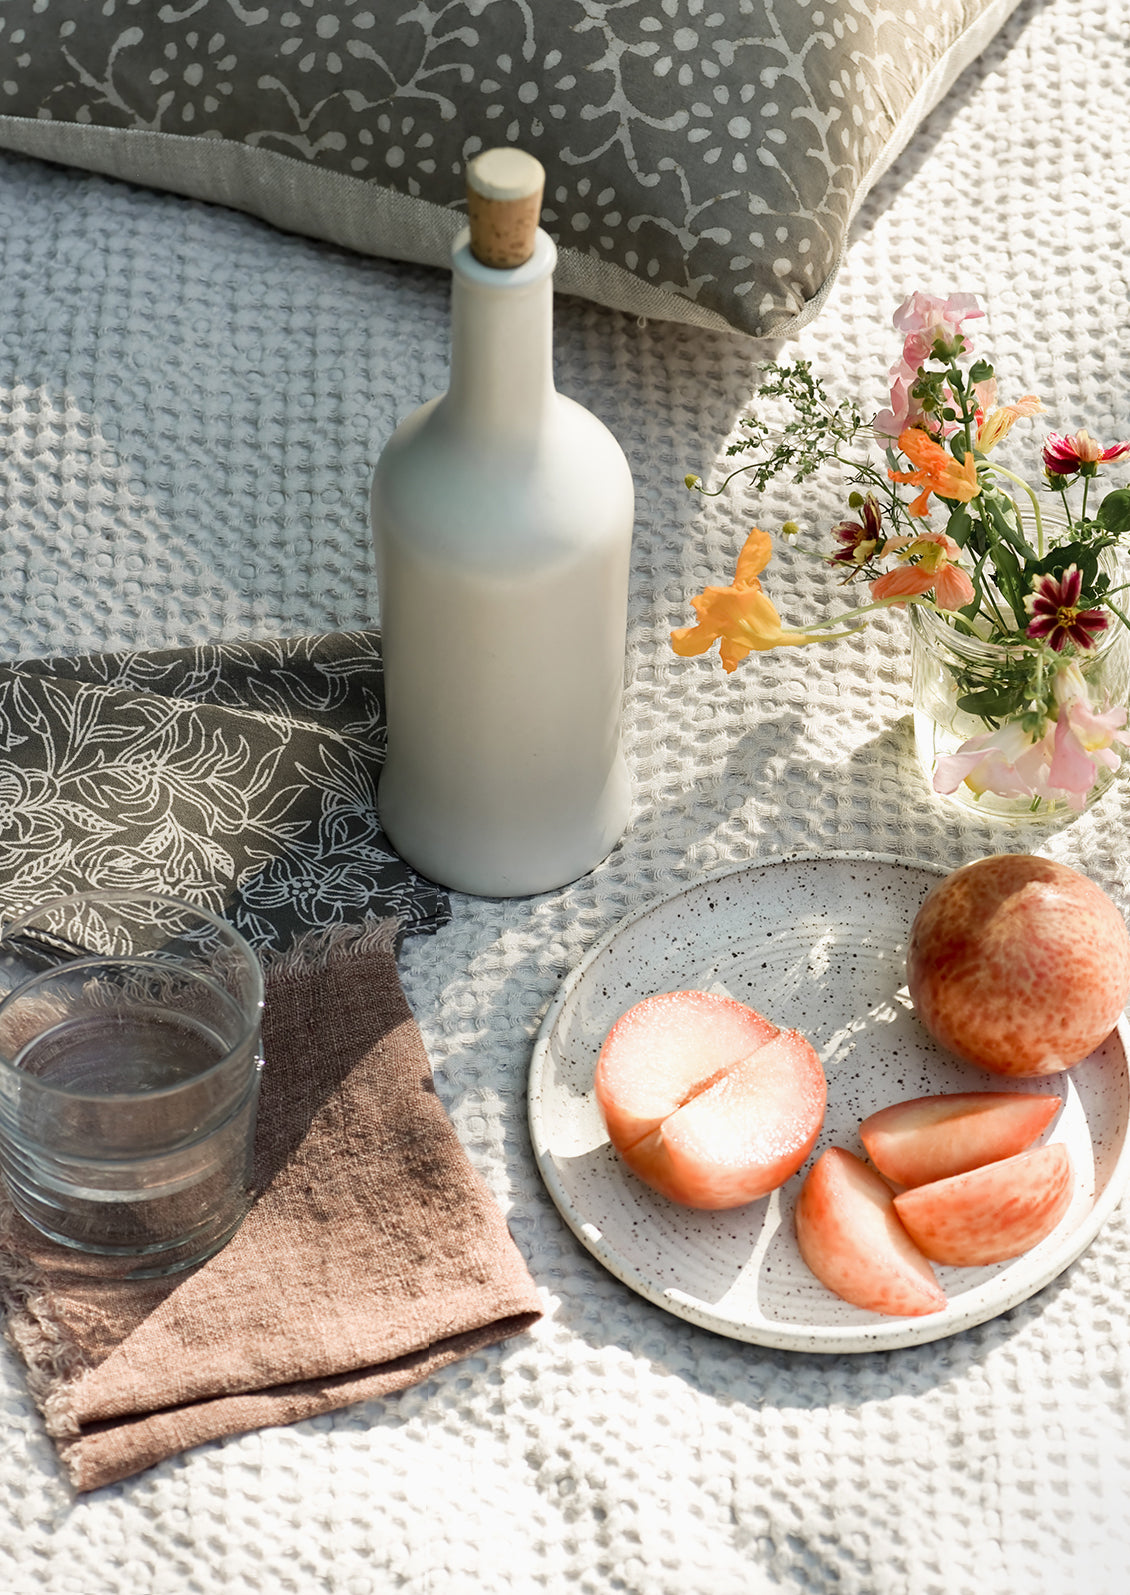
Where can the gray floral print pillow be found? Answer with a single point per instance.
(704, 157)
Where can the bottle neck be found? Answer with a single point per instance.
(501, 343)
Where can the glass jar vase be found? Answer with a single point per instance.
(947, 664)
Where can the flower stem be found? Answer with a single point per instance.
(866, 609)
(1020, 482)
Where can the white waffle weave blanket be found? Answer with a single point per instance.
(190, 408)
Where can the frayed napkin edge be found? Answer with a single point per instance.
(315, 950)
(52, 1360)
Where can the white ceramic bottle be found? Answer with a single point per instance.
(502, 516)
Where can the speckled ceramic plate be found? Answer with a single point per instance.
(816, 943)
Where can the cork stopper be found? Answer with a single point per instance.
(504, 190)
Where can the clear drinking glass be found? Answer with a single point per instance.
(129, 1076)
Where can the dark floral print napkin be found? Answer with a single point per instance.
(242, 775)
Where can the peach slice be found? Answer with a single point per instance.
(932, 1138)
(743, 1134)
(666, 1048)
(992, 1213)
(850, 1236)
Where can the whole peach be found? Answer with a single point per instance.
(1019, 964)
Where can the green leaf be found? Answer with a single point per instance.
(960, 524)
(1084, 555)
(1114, 511)
(1006, 524)
(993, 703)
(1007, 566)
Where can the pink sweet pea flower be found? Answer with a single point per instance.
(926, 319)
(1006, 761)
(923, 318)
(1064, 763)
(1084, 738)
(904, 411)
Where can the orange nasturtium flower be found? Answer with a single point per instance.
(933, 570)
(938, 471)
(740, 617)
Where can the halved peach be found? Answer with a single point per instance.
(992, 1213)
(743, 1134)
(850, 1236)
(707, 1101)
(932, 1138)
(664, 1050)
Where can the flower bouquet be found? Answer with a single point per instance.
(1016, 607)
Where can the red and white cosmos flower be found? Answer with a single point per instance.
(1065, 453)
(1056, 616)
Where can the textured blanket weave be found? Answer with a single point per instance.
(191, 407)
